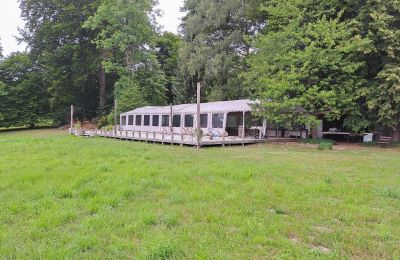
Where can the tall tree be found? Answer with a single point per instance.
(23, 100)
(64, 51)
(126, 32)
(215, 44)
(306, 66)
(168, 46)
(379, 20)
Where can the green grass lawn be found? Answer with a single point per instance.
(68, 197)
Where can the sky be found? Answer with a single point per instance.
(10, 20)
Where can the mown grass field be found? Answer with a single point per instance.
(68, 197)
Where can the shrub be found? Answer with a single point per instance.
(108, 128)
(77, 125)
(103, 121)
(325, 146)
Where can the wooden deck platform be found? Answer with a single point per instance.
(178, 139)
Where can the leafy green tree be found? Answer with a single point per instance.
(126, 33)
(23, 99)
(379, 20)
(306, 65)
(168, 46)
(215, 45)
(64, 53)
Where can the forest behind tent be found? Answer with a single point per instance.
(337, 60)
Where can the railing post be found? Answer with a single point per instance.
(243, 125)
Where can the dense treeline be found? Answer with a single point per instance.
(305, 60)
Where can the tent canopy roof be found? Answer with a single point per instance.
(242, 105)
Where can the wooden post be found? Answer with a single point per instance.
(170, 118)
(72, 117)
(243, 126)
(198, 115)
(224, 129)
(126, 135)
(162, 138)
(154, 136)
(172, 138)
(140, 135)
(115, 116)
(147, 136)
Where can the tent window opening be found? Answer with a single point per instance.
(217, 120)
(156, 119)
(130, 120)
(138, 120)
(123, 120)
(189, 120)
(176, 121)
(146, 120)
(203, 120)
(165, 120)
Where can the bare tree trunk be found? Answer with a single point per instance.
(102, 88)
(396, 131)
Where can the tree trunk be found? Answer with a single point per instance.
(396, 131)
(103, 90)
(314, 133)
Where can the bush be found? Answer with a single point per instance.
(318, 141)
(325, 146)
(108, 128)
(103, 121)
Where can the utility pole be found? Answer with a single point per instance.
(115, 116)
(198, 115)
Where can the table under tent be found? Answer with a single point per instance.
(224, 122)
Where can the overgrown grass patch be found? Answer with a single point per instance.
(69, 197)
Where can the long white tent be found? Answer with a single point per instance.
(212, 107)
(213, 116)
